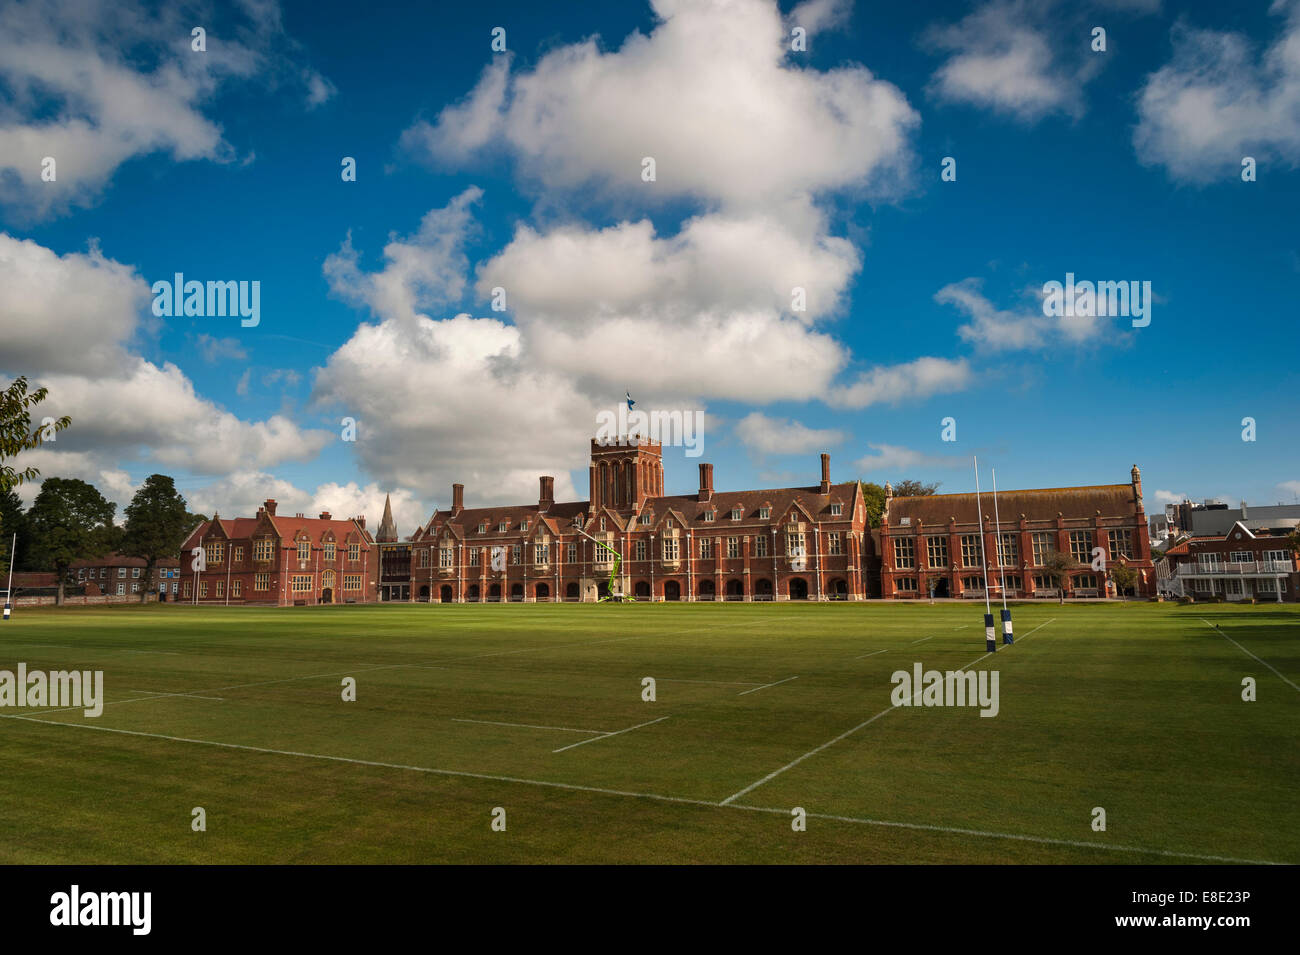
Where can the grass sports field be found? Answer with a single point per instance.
(538, 710)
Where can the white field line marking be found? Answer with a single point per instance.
(154, 693)
(607, 735)
(871, 654)
(683, 800)
(664, 679)
(766, 685)
(1247, 652)
(1008, 835)
(847, 733)
(534, 726)
(922, 640)
(238, 686)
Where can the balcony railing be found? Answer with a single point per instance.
(1230, 568)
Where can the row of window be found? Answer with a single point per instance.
(1008, 548)
(1231, 586)
(671, 550)
(1013, 581)
(645, 520)
(1241, 557)
(214, 552)
(299, 583)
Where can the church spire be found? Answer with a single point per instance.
(387, 529)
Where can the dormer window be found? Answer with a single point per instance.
(646, 518)
(765, 513)
(523, 525)
(577, 522)
(482, 528)
(502, 527)
(708, 517)
(668, 523)
(735, 513)
(836, 510)
(602, 523)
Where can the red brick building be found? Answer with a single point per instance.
(1243, 564)
(117, 574)
(801, 543)
(933, 542)
(271, 559)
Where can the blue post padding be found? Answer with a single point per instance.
(1006, 627)
(990, 641)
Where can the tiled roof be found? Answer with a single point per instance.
(1041, 504)
(687, 506)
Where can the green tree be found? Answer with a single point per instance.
(1124, 577)
(16, 434)
(156, 522)
(1058, 566)
(874, 496)
(12, 521)
(69, 520)
(910, 488)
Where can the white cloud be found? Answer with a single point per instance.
(242, 493)
(66, 313)
(1027, 328)
(767, 435)
(214, 349)
(1169, 497)
(1216, 101)
(817, 16)
(710, 94)
(440, 402)
(81, 96)
(1003, 58)
(1291, 487)
(707, 312)
(893, 459)
(914, 380)
(71, 320)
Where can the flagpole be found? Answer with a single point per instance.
(9, 592)
(990, 642)
(997, 530)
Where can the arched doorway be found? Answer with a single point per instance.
(494, 592)
(839, 589)
(446, 593)
(707, 590)
(327, 595)
(602, 589)
(672, 590)
(641, 590)
(735, 590)
(517, 592)
(543, 592)
(472, 595)
(571, 591)
(940, 585)
(763, 589)
(798, 588)
(424, 593)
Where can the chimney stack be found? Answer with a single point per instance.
(269, 504)
(457, 498)
(826, 473)
(546, 497)
(1243, 510)
(706, 482)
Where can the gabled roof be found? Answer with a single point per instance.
(1037, 504)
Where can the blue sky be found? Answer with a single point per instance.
(775, 168)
